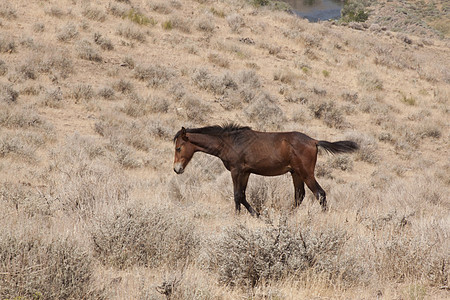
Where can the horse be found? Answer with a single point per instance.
(244, 151)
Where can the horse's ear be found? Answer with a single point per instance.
(183, 134)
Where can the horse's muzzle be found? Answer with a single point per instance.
(178, 168)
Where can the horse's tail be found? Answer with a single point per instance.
(338, 147)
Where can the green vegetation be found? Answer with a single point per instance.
(410, 100)
(167, 25)
(354, 11)
(139, 18)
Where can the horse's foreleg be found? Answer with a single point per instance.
(237, 200)
(240, 181)
(318, 192)
(299, 189)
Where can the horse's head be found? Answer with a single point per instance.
(184, 150)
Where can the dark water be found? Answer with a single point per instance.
(316, 10)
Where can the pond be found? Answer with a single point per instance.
(316, 10)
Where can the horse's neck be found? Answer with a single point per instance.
(207, 143)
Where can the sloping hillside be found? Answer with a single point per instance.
(92, 93)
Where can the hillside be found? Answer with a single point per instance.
(92, 93)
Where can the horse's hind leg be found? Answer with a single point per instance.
(299, 189)
(318, 192)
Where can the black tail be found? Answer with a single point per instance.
(338, 147)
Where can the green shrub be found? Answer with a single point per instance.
(354, 11)
(167, 25)
(139, 18)
(260, 2)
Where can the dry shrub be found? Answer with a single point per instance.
(206, 24)
(373, 104)
(146, 236)
(24, 199)
(235, 21)
(218, 85)
(67, 33)
(276, 193)
(118, 10)
(107, 93)
(22, 144)
(38, 27)
(329, 112)
(219, 60)
(86, 51)
(272, 49)
(103, 42)
(7, 44)
(125, 155)
(222, 84)
(265, 112)
(82, 91)
(128, 62)
(136, 106)
(341, 162)
(181, 24)
(249, 79)
(300, 114)
(414, 256)
(177, 91)
(367, 147)
(201, 77)
(8, 94)
(160, 7)
(159, 129)
(22, 118)
(31, 90)
(53, 98)
(195, 110)
(123, 86)
(3, 68)
(7, 12)
(285, 76)
(82, 181)
(29, 70)
(94, 14)
(125, 137)
(159, 104)
(58, 64)
(131, 32)
(55, 11)
(37, 267)
(189, 284)
(155, 75)
(370, 81)
(249, 83)
(246, 257)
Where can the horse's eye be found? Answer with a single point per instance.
(178, 149)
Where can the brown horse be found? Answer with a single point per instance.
(244, 151)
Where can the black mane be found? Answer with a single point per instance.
(215, 130)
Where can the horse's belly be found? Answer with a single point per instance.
(271, 170)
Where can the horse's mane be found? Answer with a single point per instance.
(215, 130)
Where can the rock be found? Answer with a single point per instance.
(375, 28)
(356, 25)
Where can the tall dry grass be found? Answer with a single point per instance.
(91, 208)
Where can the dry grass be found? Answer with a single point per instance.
(131, 236)
(89, 105)
(35, 266)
